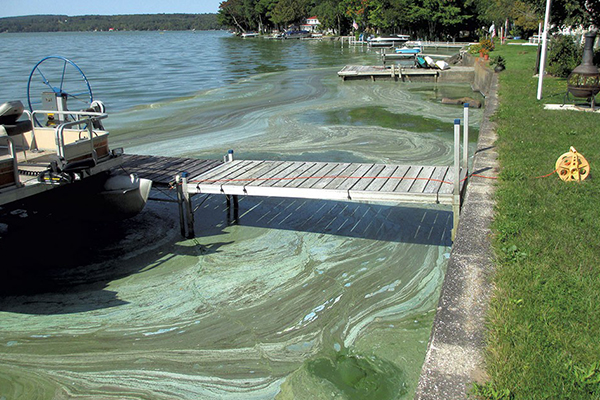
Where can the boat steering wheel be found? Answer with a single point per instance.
(54, 74)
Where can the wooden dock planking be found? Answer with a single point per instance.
(336, 182)
(162, 170)
(315, 180)
(422, 180)
(324, 170)
(297, 171)
(386, 173)
(281, 172)
(437, 178)
(409, 179)
(308, 176)
(371, 175)
(395, 179)
(339, 169)
(328, 181)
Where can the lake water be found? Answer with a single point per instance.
(298, 299)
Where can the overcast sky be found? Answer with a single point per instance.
(10, 8)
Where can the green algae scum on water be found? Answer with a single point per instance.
(299, 299)
(360, 377)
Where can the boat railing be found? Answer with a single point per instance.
(86, 118)
(9, 174)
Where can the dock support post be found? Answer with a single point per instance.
(179, 188)
(189, 210)
(465, 163)
(456, 193)
(234, 197)
(186, 212)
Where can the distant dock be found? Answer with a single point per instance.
(395, 73)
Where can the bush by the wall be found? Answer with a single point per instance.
(563, 56)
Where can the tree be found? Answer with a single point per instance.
(592, 8)
(441, 16)
(289, 11)
(264, 9)
(332, 16)
(231, 14)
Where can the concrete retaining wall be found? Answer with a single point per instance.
(454, 359)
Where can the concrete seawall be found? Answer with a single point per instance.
(454, 359)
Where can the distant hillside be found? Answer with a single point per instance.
(136, 22)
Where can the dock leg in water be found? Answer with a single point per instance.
(186, 212)
(229, 158)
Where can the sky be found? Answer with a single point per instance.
(11, 8)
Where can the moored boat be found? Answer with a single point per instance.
(387, 41)
(56, 146)
(293, 34)
(408, 51)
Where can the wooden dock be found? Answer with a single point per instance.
(395, 73)
(387, 73)
(367, 182)
(162, 170)
(329, 181)
(295, 179)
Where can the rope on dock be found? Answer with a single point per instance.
(321, 177)
(351, 177)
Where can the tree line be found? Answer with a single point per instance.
(420, 18)
(136, 22)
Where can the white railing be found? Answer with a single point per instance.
(83, 117)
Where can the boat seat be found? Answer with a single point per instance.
(10, 112)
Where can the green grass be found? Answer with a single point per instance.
(544, 318)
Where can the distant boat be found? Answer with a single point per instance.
(249, 35)
(408, 51)
(387, 41)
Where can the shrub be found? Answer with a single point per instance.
(563, 56)
(487, 44)
(474, 48)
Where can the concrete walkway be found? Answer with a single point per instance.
(454, 357)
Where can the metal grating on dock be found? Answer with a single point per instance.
(329, 181)
(162, 170)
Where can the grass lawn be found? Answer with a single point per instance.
(544, 318)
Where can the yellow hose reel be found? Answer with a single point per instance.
(572, 166)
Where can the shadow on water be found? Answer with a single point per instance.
(388, 223)
(57, 263)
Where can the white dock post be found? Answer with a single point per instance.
(465, 163)
(456, 193)
(189, 211)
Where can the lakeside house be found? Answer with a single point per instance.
(312, 24)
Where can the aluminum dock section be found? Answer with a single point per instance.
(329, 181)
(367, 182)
